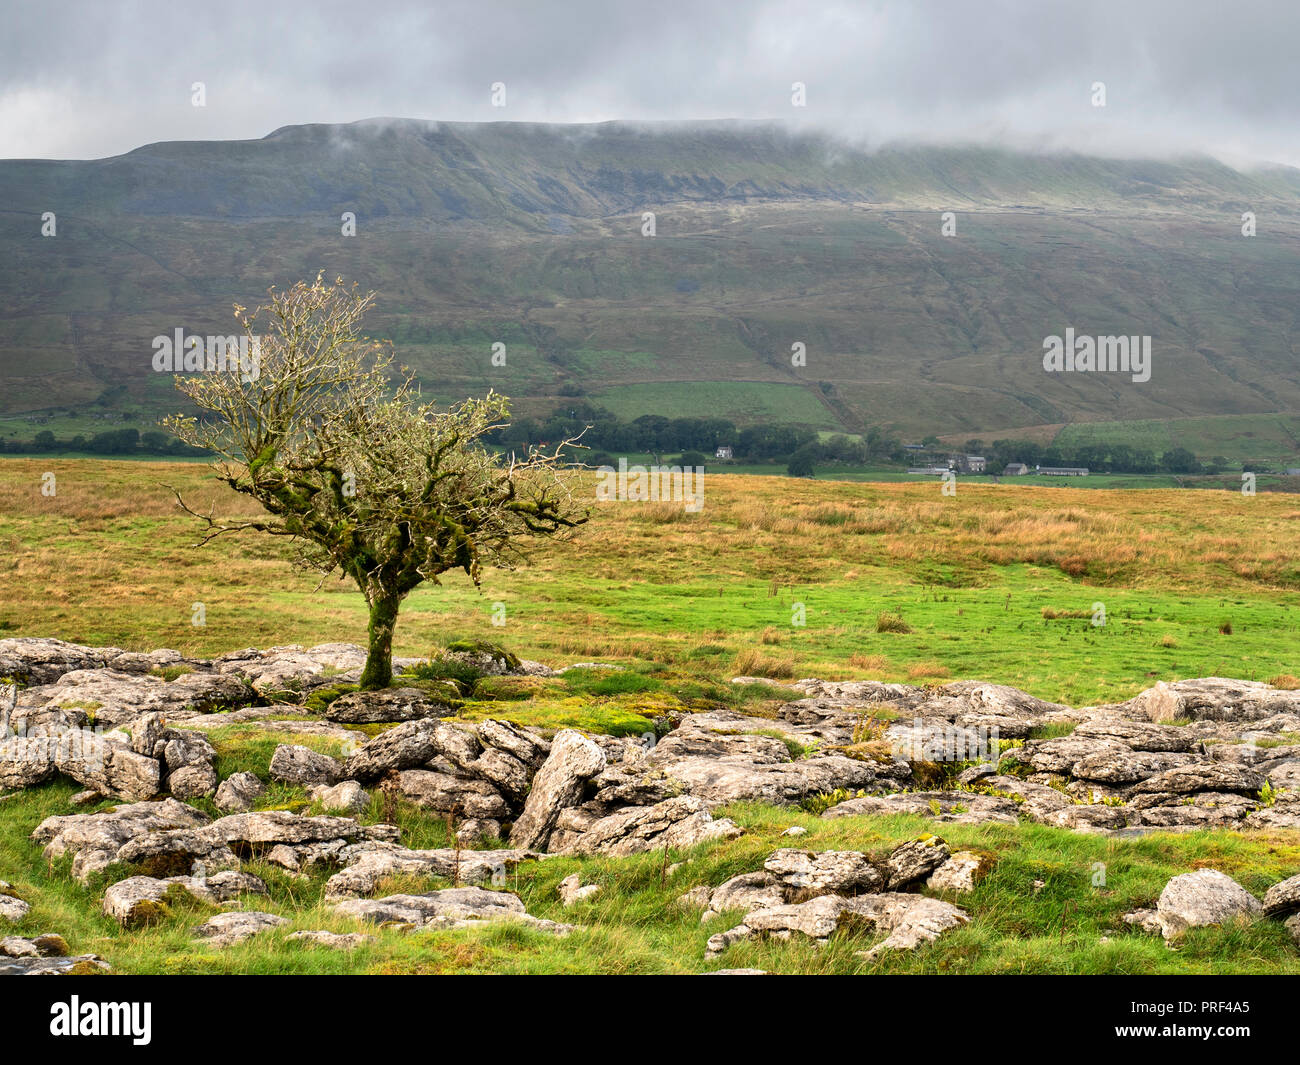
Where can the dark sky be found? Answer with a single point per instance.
(81, 80)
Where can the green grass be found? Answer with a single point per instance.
(1236, 437)
(744, 402)
(998, 583)
(1070, 925)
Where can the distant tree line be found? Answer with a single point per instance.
(110, 442)
(608, 435)
(1099, 458)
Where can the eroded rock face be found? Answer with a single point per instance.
(95, 839)
(139, 900)
(238, 792)
(366, 865)
(809, 873)
(392, 704)
(294, 669)
(1282, 900)
(118, 698)
(574, 759)
(908, 921)
(1205, 897)
(791, 876)
(1212, 699)
(675, 823)
(450, 908)
(227, 929)
(723, 757)
(955, 807)
(170, 837)
(38, 661)
(137, 762)
(294, 764)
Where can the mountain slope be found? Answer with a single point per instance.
(531, 235)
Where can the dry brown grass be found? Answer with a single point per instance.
(753, 663)
(927, 669)
(869, 663)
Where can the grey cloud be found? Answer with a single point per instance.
(85, 80)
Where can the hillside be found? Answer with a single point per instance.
(531, 235)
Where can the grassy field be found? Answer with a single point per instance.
(109, 559)
(1236, 437)
(998, 583)
(633, 925)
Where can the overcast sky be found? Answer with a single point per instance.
(91, 79)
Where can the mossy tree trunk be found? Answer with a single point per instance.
(378, 671)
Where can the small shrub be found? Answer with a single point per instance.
(890, 622)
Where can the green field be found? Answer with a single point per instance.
(995, 583)
(1236, 437)
(744, 402)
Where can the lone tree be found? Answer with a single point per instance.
(353, 468)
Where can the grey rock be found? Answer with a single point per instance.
(227, 929)
(1283, 899)
(572, 890)
(95, 839)
(135, 900)
(907, 920)
(959, 874)
(914, 861)
(405, 747)
(674, 823)
(574, 759)
(807, 873)
(1212, 699)
(449, 908)
(746, 892)
(390, 704)
(366, 865)
(446, 793)
(333, 940)
(347, 796)
(1203, 776)
(1205, 897)
(82, 963)
(955, 807)
(13, 909)
(293, 764)
(238, 793)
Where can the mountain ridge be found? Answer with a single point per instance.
(530, 234)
